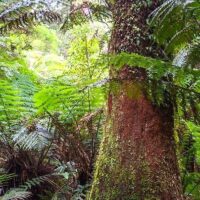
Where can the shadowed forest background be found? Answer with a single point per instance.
(99, 100)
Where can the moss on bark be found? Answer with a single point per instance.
(137, 158)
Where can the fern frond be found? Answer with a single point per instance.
(181, 58)
(27, 88)
(16, 194)
(36, 140)
(160, 11)
(182, 78)
(181, 38)
(11, 108)
(87, 11)
(24, 14)
(64, 99)
(189, 56)
(180, 19)
(29, 184)
(6, 177)
(12, 10)
(28, 20)
(193, 55)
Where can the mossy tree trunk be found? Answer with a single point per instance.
(137, 158)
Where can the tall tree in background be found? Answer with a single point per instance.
(137, 157)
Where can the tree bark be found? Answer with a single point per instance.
(137, 158)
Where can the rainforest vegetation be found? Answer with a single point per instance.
(99, 100)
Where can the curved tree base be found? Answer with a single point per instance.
(137, 158)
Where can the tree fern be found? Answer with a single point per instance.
(74, 93)
(179, 18)
(21, 15)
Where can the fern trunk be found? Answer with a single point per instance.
(137, 158)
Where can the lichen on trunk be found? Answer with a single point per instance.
(137, 158)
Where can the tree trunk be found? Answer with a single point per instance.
(137, 158)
